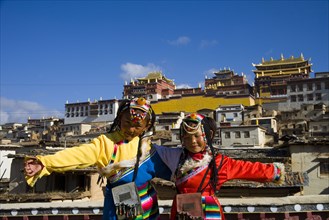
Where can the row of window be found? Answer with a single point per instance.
(296, 88)
(77, 108)
(309, 97)
(322, 128)
(86, 113)
(71, 128)
(230, 92)
(280, 91)
(309, 87)
(280, 67)
(85, 108)
(138, 90)
(293, 126)
(237, 134)
(235, 115)
(77, 114)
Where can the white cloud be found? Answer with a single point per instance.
(19, 111)
(208, 43)
(132, 71)
(183, 86)
(183, 40)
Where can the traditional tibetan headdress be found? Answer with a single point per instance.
(196, 119)
(141, 104)
(131, 106)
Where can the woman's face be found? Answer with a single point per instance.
(194, 143)
(131, 129)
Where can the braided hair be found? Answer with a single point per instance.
(209, 124)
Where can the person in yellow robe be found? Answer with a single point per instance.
(116, 153)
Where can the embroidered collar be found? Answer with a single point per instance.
(197, 156)
(114, 167)
(191, 163)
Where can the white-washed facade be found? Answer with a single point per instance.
(74, 129)
(91, 112)
(307, 91)
(230, 113)
(270, 123)
(244, 135)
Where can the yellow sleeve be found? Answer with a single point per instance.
(98, 152)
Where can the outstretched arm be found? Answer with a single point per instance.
(254, 171)
(81, 156)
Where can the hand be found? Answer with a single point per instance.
(32, 167)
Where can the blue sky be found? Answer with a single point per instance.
(58, 51)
